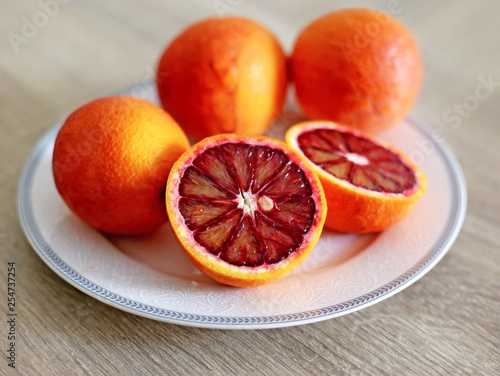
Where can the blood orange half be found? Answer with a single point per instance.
(369, 185)
(246, 210)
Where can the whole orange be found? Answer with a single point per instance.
(111, 163)
(223, 75)
(358, 67)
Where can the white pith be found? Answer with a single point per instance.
(355, 158)
(248, 202)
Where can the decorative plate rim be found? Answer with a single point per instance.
(418, 270)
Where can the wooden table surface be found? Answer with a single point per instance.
(448, 323)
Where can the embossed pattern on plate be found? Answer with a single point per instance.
(150, 276)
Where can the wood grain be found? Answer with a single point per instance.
(445, 324)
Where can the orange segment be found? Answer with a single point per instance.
(244, 246)
(369, 185)
(267, 164)
(217, 170)
(198, 185)
(199, 212)
(278, 241)
(322, 155)
(294, 213)
(289, 182)
(340, 170)
(249, 212)
(238, 159)
(214, 236)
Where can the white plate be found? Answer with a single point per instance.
(150, 275)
